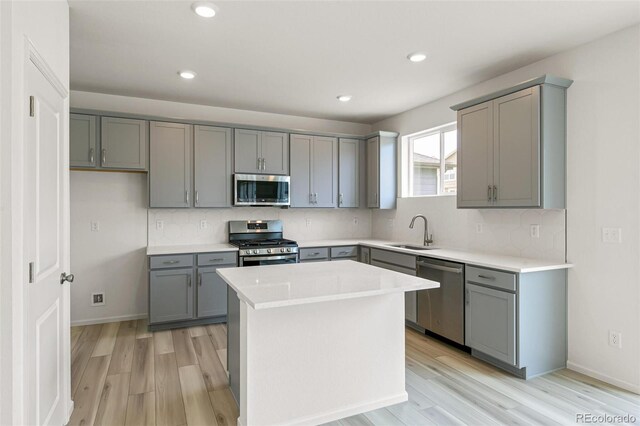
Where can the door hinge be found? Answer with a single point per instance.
(32, 106)
(30, 272)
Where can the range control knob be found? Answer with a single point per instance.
(281, 250)
(289, 250)
(268, 250)
(255, 252)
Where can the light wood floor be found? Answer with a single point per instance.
(124, 375)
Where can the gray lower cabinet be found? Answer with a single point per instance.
(212, 172)
(170, 165)
(123, 143)
(490, 325)
(314, 171)
(83, 140)
(349, 172)
(212, 292)
(405, 264)
(313, 254)
(184, 289)
(259, 152)
(170, 295)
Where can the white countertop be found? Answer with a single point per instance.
(273, 286)
(189, 248)
(486, 260)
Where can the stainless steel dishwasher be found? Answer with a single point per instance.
(441, 310)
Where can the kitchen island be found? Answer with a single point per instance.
(316, 342)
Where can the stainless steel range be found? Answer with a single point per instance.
(261, 243)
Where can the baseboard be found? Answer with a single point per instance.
(70, 411)
(108, 319)
(605, 378)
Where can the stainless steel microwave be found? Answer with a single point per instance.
(261, 190)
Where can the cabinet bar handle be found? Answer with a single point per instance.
(197, 197)
(489, 193)
(104, 156)
(315, 197)
(466, 298)
(91, 156)
(495, 193)
(189, 280)
(186, 194)
(487, 277)
(343, 252)
(258, 163)
(341, 199)
(310, 198)
(314, 253)
(170, 262)
(218, 259)
(199, 280)
(264, 164)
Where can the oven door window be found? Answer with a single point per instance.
(250, 191)
(268, 260)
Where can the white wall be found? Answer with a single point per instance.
(603, 190)
(113, 259)
(46, 24)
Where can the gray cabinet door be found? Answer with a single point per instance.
(123, 143)
(212, 292)
(83, 137)
(274, 153)
(212, 167)
(475, 156)
(170, 295)
(300, 186)
(516, 158)
(373, 172)
(324, 171)
(349, 173)
(490, 322)
(170, 165)
(247, 151)
(411, 306)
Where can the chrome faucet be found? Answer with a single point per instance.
(427, 241)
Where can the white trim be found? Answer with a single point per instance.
(71, 406)
(45, 69)
(635, 388)
(108, 319)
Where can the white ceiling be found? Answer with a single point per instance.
(295, 57)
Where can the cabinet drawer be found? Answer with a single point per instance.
(349, 251)
(408, 271)
(491, 278)
(218, 258)
(404, 260)
(316, 253)
(171, 261)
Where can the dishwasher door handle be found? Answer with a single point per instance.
(439, 267)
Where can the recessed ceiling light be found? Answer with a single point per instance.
(344, 98)
(204, 9)
(417, 57)
(186, 74)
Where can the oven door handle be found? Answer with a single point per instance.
(289, 256)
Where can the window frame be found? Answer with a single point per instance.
(441, 130)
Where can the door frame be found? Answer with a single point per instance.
(13, 403)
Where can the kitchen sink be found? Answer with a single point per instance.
(412, 247)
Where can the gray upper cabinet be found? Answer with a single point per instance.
(261, 152)
(83, 140)
(123, 143)
(212, 167)
(381, 170)
(170, 165)
(314, 171)
(170, 295)
(511, 147)
(349, 173)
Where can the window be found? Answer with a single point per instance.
(432, 162)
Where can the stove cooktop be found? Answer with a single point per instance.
(280, 242)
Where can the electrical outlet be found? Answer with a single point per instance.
(355, 221)
(97, 299)
(479, 228)
(615, 339)
(534, 231)
(390, 223)
(612, 235)
(308, 221)
(204, 224)
(159, 225)
(95, 226)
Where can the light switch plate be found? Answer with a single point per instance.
(535, 231)
(159, 225)
(95, 226)
(479, 228)
(308, 221)
(612, 235)
(204, 224)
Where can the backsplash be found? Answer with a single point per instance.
(183, 226)
(503, 231)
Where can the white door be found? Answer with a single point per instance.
(45, 245)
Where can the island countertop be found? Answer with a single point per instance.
(273, 286)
